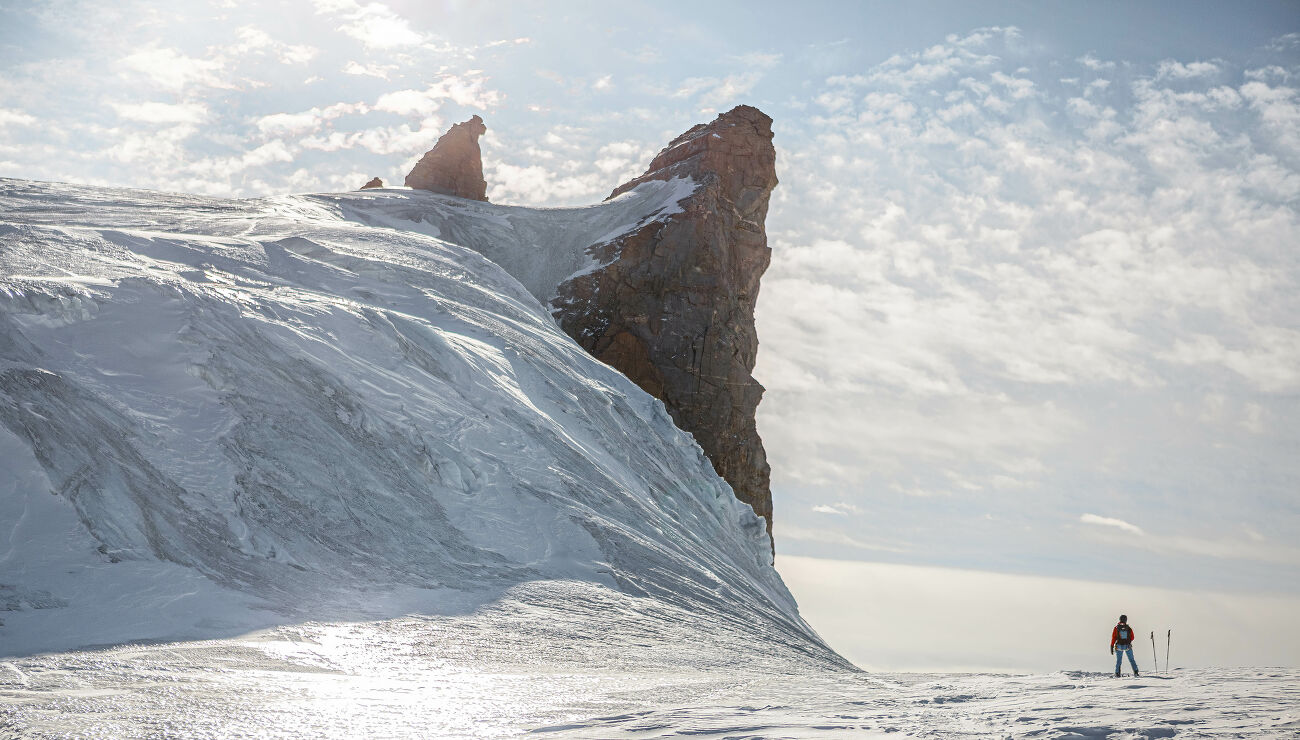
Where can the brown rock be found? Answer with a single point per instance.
(454, 166)
(375, 183)
(674, 307)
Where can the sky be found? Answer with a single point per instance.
(1032, 310)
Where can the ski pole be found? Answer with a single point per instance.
(1168, 635)
(1153, 650)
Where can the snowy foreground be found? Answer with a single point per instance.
(323, 466)
(515, 670)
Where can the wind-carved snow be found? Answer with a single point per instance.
(541, 247)
(217, 415)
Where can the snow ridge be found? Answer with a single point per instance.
(259, 411)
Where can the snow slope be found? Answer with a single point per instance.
(219, 415)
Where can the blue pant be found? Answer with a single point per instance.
(1119, 657)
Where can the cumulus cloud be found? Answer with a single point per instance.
(172, 70)
(1170, 69)
(409, 102)
(374, 24)
(538, 185)
(470, 90)
(15, 118)
(1092, 62)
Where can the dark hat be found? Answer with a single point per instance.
(1123, 617)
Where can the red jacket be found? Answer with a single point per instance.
(1114, 635)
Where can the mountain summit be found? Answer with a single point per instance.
(454, 166)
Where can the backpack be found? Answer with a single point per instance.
(1125, 635)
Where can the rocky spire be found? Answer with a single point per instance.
(454, 166)
(374, 183)
(674, 307)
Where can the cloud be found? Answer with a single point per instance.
(374, 24)
(1016, 87)
(164, 145)
(534, 184)
(1092, 62)
(290, 124)
(1272, 363)
(172, 70)
(254, 40)
(1279, 109)
(508, 42)
(1120, 524)
(1170, 69)
(1272, 71)
(382, 71)
(975, 262)
(409, 102)
(714, 93)
(162, 113)
(308, 121)
(15, 118)
(400, 139)
(1284, 43)
(1253, 547)
(840, 509)
(468, 90)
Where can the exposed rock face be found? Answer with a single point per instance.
(673, 308)
(454, 166)
(375, 183)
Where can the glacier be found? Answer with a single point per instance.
(225, 414)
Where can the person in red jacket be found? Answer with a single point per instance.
(1121, 641)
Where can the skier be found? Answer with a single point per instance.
(1121, 641)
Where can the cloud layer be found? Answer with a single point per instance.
(1007, 290)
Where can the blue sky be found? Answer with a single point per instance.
(1033, 301)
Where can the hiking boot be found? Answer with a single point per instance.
(1116, 674)
(1135, 673)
